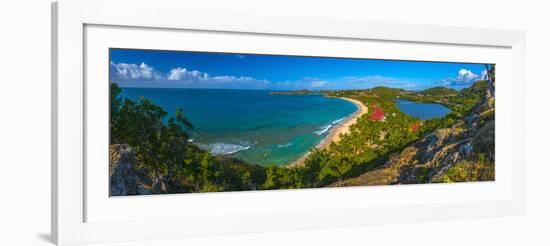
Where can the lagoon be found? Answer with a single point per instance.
(423, 111)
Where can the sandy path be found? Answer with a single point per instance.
(334, 134)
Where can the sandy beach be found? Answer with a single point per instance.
(334, 134)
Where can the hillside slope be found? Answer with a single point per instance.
(462, 152)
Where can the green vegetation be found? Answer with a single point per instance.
(370, 141)
(165, 157)
(169, 163)
(479, 168)
(460, 103)
(470, 170)
(439, 91)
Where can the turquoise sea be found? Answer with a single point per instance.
(252, 125)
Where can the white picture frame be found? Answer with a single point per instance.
(80, 215)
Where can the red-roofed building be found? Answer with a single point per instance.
(414, 127)
(377, 115)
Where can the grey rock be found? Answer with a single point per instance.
(123, 178)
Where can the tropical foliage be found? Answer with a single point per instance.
(170, 163)
(166, 157)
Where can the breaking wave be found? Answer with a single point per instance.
(323, 129)
(338, 121)
(284, 145)
(224, 148)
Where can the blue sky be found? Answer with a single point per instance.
(176, 69)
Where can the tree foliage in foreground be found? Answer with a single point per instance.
(169, 163)
(164, 155)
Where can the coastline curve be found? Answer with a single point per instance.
(336, 132)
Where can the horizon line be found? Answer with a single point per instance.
(313, 90)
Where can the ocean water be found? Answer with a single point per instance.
(424, 111)
(252, 125)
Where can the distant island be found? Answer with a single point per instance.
(295, 92)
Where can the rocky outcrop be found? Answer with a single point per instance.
(428, 159)
(122, 175)
(440, 150)
(436, 153)
(419, 162)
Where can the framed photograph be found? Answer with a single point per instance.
(168, 125)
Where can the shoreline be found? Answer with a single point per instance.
(334, 134)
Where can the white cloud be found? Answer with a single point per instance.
(463, 78)
(133, 71)
(194, 78)
(466, 76)
(143, 75)
(312, 82)
(183, 74)
(318, 83)
(348, 82)
(377, 80)
(483, 74)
